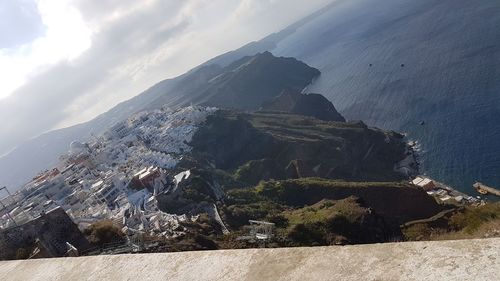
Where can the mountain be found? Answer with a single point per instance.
(314, 105)
(396, 64)
(243, 84)
(428, 68)
(295, 146)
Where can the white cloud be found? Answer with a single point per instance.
(66, 37)
(97, 53)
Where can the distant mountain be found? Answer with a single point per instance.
(395, 64)
(243, 84)
(314, 105)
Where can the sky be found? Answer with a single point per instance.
(63, 62)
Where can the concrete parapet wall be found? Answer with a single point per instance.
(446, 260)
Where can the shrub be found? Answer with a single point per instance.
(22, 254)
(473, 217)
(103, 232)
(278, 220)
(205, 242)
(242, 196)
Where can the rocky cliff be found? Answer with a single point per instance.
(314, 105)
(294, 146)
(281, 167)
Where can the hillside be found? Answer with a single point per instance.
(314, 211)
(298, 146)
(314, 105)
(276, 166)
(244, 84)
(194, 178)
(248, 82)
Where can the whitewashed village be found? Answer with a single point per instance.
(116, 176)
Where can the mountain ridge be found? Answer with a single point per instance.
(374, 59)
(246, 81)
(315, 105)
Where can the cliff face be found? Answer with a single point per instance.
(244, 84)
(397, 202)
(314, 105)
(49, 233)
(250, 81)
(293, 146)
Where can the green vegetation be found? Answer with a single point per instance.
(465, 223)
(473, 217)
(256, 170)
(314, 211)
(263, 145)
(197, 187)
(317, 211)
(307, 191)
(324, 210)
(320, 182)
(238, 215)
(22, 254)
(326, 223)
(104, 232)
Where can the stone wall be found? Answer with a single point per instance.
(52, 230)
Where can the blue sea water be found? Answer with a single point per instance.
(397, 64)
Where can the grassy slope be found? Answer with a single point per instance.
(467, 223)
(315, 211)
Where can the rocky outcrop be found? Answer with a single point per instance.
(397, 202)
(293, 146)
(344, 221)
(49, 232)
(314, 105)
(315, 211)
(250, 81)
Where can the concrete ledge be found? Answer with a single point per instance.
(447, 260)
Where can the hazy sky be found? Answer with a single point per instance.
(63, 62)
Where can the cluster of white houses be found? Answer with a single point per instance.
(443, 192)
(116, 176)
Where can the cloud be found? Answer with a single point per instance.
(65, 37)
(97, 53)
(20, 24)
